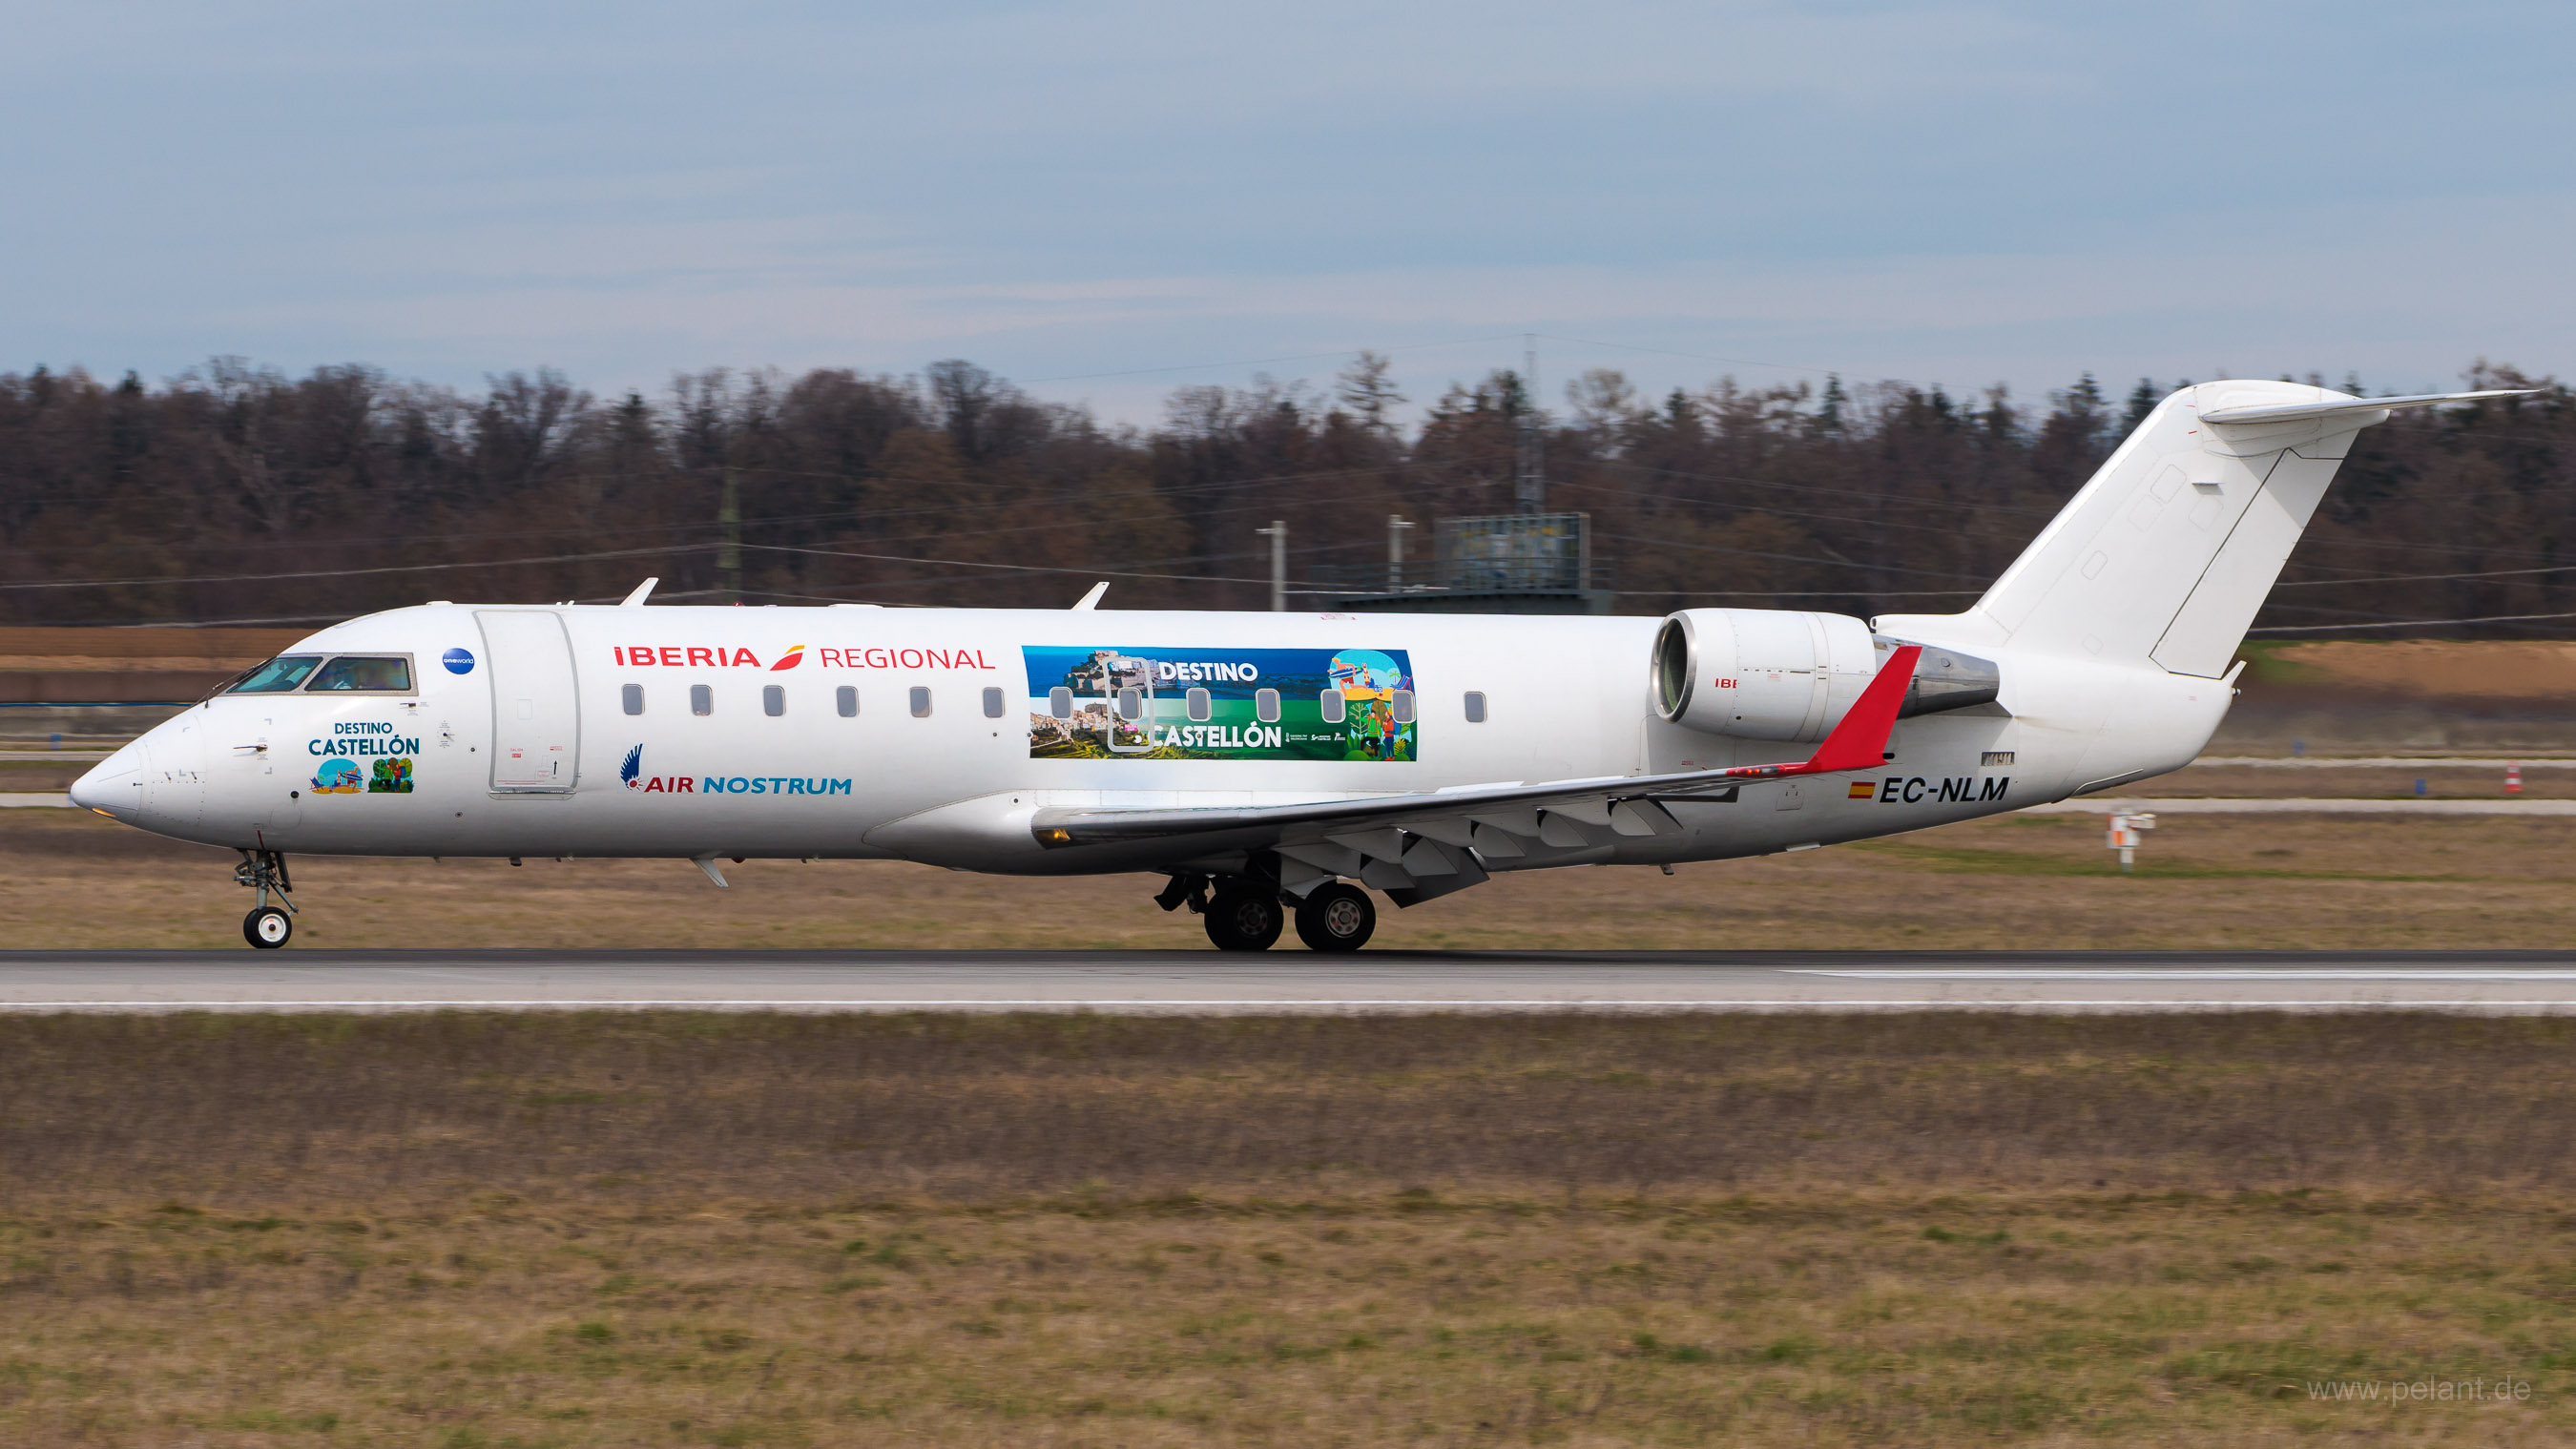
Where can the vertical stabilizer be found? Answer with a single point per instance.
(2171, 548)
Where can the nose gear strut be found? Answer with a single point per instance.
(267, 926)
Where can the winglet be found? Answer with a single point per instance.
(1860, 741)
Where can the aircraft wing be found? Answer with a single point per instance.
(1428, 843)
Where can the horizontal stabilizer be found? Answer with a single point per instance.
(2295, 412)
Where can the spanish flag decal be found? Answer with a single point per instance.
(1861, 790)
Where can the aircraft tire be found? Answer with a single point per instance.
(1243, 918)
(1336, 917)
(267, 928)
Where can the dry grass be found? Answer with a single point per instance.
(2017, 882)
(2483, 669)
(462, 1230)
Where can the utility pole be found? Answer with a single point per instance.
(1277, 533)
(729, 536)
(1529, 474)
(1396, 524)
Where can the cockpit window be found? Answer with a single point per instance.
(276, 676)
(379, 673)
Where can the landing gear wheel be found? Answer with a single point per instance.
(1336, 917)
(267, 928)
(1243, 918)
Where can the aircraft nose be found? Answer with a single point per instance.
(114, 786)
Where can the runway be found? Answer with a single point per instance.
(1205, 982)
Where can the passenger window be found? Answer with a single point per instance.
(1331, 700)
(633, 694)
(1199, 710)
(773, 700)
(992, 704)
(1265, 703)
(1475, 706)
(1404, 706)
(375, 674)
(702, 699)
(277, 676)
(1131, 703)
(846, 699)
(1060, 702)
(921, 701)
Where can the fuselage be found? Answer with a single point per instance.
(935, 734)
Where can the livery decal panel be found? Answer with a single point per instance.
(388, 754)
(1134, 703)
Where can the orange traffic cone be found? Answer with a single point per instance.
(2513, 777)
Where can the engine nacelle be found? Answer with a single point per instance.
(1763, 674)
(1769, 674)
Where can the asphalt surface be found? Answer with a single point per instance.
(1188, 982)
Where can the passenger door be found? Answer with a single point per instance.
(536, 712)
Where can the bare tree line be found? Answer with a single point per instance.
(238, 492)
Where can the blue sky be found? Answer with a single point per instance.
(1097, 198)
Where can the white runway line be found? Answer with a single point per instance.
(2389, 762)
(2200, 805)
(30, 800)
(2188, 973)
(1355, 1005)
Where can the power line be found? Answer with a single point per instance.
(1788, 557)
(2408, 623)
(347, 573)
(2424, 578)
(1699, 356)
(1258, 361)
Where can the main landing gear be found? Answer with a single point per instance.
(1336, 916)
(267, 926)
(1243, 913)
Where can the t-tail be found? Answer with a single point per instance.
(2167, 553)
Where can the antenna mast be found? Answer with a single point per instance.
(1529, 468)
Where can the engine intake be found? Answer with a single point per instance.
(1774, 674)
(1763, 674)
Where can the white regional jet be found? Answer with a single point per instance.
(1267, 763)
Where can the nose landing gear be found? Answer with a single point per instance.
(267, 926)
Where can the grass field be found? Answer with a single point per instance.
(572, 1230)
(2016, 882)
